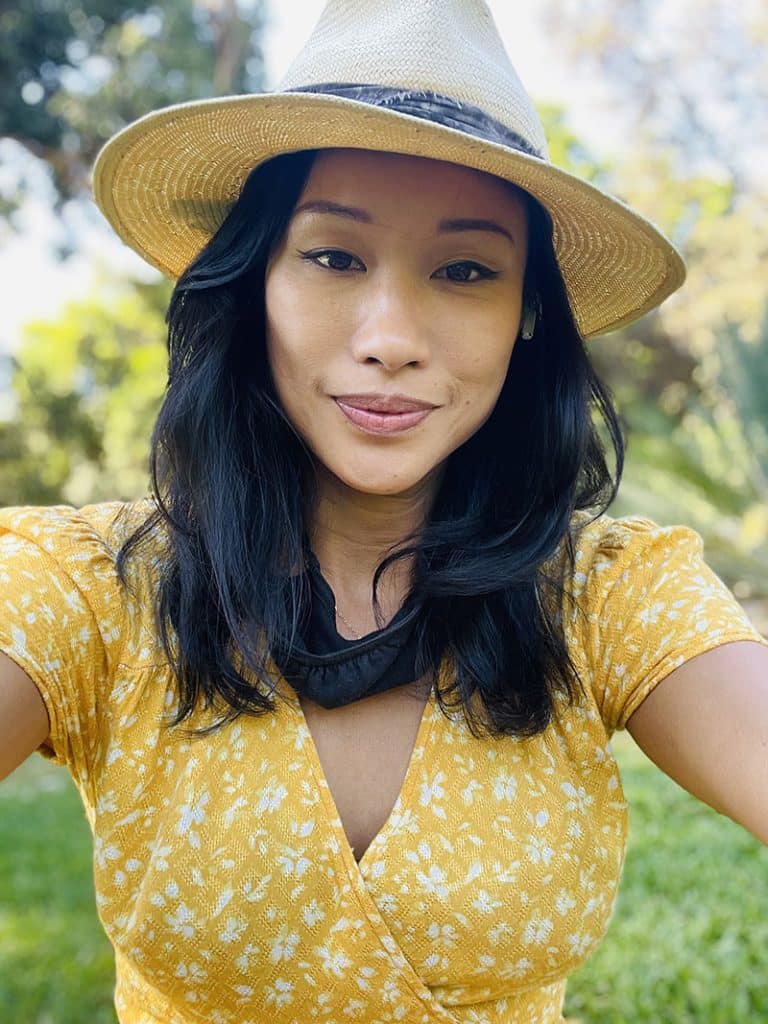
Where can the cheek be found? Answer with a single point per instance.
(300, 322)
(480, 372)
(481, 356)
(288, 330)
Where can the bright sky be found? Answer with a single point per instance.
(41, 285)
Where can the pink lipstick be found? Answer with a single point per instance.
(383, 422)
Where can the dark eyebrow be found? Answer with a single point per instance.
(473, 224)
(324, 206)
(355, 213)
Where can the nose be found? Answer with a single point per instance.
(391, 327)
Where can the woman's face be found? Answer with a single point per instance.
(397, 276)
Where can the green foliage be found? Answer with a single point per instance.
(567, 150)
(745, 378)
(688, 76)
(72, 74)
(698, 451)
(691, 379)
(88, 387)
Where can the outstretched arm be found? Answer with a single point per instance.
(706, 726)
(23, 718)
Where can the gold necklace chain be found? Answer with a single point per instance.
(347, 624)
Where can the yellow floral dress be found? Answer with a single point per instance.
(224, 879)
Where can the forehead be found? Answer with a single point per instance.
(365, 177)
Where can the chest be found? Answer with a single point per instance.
(222, 864)
(364, 749)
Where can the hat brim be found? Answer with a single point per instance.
(166, 182)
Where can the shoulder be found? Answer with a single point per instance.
(76, 538)
(64, 609)
(67, 619)
(608, 533)
(67, 556)
(645, 601)
(56, 528)
(610, 552)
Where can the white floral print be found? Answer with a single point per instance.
(223, 876)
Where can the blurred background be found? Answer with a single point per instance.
(660, 103)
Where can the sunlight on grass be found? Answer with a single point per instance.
(56, 964)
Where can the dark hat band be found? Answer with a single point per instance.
(430, 106)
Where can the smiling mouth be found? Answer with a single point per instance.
(382, 422)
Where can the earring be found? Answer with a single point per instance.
(531, 311)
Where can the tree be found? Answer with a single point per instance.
(690, 76)
(689, 81)
(88, 387)
(73, 73)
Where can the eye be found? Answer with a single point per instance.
(337, 259)
(459, 273)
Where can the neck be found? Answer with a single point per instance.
(351, 532)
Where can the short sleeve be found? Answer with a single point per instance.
(60, 619)
(651, 603)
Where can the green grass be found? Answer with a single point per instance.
(56, 964)
(688, 943)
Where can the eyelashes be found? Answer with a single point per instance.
(333, 254)
(346, 260)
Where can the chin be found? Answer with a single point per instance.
(368, 485)
(368, 481)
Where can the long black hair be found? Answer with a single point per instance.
(232, 480)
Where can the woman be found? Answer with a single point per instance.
(338, 698)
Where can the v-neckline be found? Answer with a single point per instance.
(361, 875)
(360, 868)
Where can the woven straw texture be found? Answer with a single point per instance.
(417, 43)
(166, 182)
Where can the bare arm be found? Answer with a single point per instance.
(23, 718)
(706, 726)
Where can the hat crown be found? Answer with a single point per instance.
(449, 47)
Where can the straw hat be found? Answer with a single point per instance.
(166, 182)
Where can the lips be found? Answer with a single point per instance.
(382, 403)
(374, 422)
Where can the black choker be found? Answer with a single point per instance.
(331, 670)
